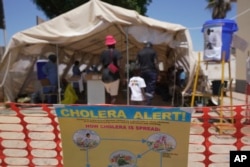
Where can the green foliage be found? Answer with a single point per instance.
(53, 8)
(219, 8)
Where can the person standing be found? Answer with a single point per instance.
(137, 85)
(111, 76)
(50, 70)
(77, 78)
(182, 77)
(148, 63)
(76, 69)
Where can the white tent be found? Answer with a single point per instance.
(80, 33)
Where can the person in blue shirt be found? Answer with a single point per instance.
(76, 69)
(50, 70)
(182, 78)
(77, 75)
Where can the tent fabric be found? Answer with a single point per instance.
(80, 34)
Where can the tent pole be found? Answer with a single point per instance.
(5, 45)
(127, 65)
(173, 97)
(58, 77)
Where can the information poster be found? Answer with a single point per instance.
(124, 136)
(212, 43)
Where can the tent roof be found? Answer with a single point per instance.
(89, 24)
(81, 33)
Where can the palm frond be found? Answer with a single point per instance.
(219, 8)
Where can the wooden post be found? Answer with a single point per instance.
(195, 80)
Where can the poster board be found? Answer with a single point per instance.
(124, 136)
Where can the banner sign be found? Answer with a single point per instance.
(124, 136)
(212, 43)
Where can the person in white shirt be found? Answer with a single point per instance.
(137, 85)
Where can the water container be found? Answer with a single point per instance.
(39, 65)
(218, 35)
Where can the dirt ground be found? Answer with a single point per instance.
(158, 100)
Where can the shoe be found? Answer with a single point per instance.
(149, 94)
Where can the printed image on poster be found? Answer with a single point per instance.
(123, 158)
(212, 43)
(86, 139)
(161, 142)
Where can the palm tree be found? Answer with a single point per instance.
(219, 8)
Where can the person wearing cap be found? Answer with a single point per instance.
(50, 70)
(111, 80)
(148, 63)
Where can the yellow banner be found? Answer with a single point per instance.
(124, 136)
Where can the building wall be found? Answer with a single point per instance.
(243, 10)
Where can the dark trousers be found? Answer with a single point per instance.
(150, 78)
(50, 92)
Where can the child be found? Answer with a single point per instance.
(137, 85)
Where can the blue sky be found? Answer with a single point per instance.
(21, 15)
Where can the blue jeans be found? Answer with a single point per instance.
(150, 78)
(50, 92)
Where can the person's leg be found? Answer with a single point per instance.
(150, 80)
(152, 83)
(114, 87)
(141, 103)
(107, 97)
(53, 99)
(133, 102)
(146, 78)
(55, 94)
(49, 92)
(182, 83)
(107, 93)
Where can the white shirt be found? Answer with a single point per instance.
(135, 84)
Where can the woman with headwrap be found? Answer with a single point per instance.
(111, 79)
